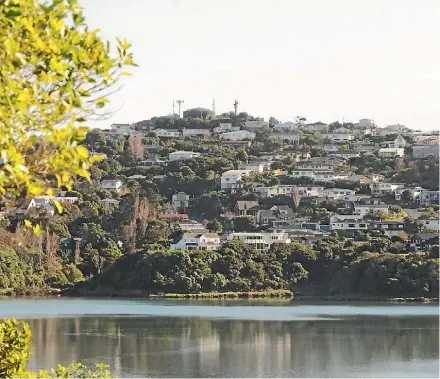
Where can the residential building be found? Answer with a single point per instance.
(204, 133)
(257, 124)
(276, 215)
(424, 151)
(414, 193)
(316, 127)
(238, 135)
(334, 193)
(348, 222)
(391, 152)
(340, 135)
(288, 126)
(109, 201)
(191, 226)
(167, 133)
(197, 241)
(136, 177)
(382, 188)
(288, 190)
(430, 197)
(312, 165)
(430, 222)
(392, 129)
(327, 147)
(362, 147)
(112, 184)
(365, 127)
(423, 241)
(398, 142)
(293, 137)
(368, 205)
(223, 127)
(428, 140)
(123, 129)
(391, 228)
(255, 166)
(232, 179)
(246, 208)
(180, 200)
(260, 241)
(345, 154)
(318, 175)
(178, 155)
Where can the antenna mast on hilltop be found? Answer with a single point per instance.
(213, 106)
(173, 108)
(179, 102)
(235, 107)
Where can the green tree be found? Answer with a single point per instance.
(54, 74)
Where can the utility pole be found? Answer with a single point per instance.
(173, 108)
(179, 102)
(235, 107)
(213, 106)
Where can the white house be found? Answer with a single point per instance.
(391, 152)
(167, 133)
(136, 177)
(259, 124)
(381, 188)
(345, 154)
(424, 151)
(254, 166)
(293, 137)
(316, 127)
(335, 193)
(112, 184)
(192, 226)
(342, 136)
(231, 179)
(238, 135)
(399, 142)
(364, 209)
(260, 241)
(429, 197)
(288, 190)
(197, 241)
(348, 222)
(318, 175)
(430, 222)
(178, 155)
(414, 193)
(329, 147)
(223, 127)
(196, 132)
(180, 200)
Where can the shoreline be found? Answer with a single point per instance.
(269, 294)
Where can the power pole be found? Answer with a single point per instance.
(179, 102)
(235, 107)
(173, 108)
(213, 106)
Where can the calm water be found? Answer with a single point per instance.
(233, 338)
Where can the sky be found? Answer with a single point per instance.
(326, 60)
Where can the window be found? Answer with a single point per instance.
(351, 225)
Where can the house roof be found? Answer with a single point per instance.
(198, 235)
(246, 204)
(426, 236)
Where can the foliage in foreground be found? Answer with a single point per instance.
(15, 343)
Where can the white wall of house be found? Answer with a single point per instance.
(256, 124)
(391, 152)
(193, 241)
(167, 133)
(260, 241)
(177, 155)
(381, 188)
(431, 223)
(112, 184)
(238, 135)
(180, 199)
(231, 180)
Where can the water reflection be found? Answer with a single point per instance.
(194, 347)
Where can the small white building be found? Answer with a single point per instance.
(391, 152)
(178, 155)
(232, 179)
(223, 127)
(381, 188)
(238, 135)
(197, 241)
(348, 222)
(167, 133)
(260, 241)
(340, 137)
(335, 193)
(258, 124)
(112, 184)
(254, 166)
(288, 190)
(180, 200)
(318, 175)
(392, 129)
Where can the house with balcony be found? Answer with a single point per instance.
(260, 241)
(318, 175)
(288, 190)
(398, 143)
(255, 166)
(348, 222)
(316, 127)
(334, 193)
(280, 136)
(414, 193)
(345, 154)
(369, 205)
(287, 126)
(197, 241)
(233, 179)
(391, 228)
(423, 241)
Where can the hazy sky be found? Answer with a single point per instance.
(322, 59)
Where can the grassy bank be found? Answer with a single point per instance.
(29, 291)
